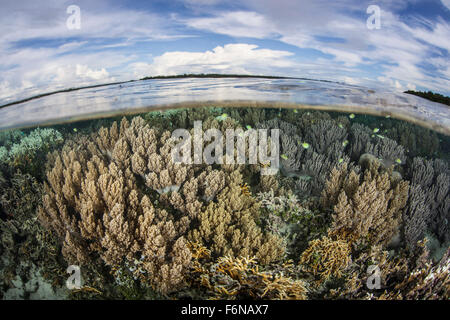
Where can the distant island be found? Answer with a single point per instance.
(213, 75)
(436, 97)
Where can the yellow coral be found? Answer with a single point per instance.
(325, 258)
(233, 278)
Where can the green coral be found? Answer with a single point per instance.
(28, 153)
(4, 154)
(8, 138)
(293, 220)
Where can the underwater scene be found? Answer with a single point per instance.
(215, 159)
(219, 202)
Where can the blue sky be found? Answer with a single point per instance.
(123, 40)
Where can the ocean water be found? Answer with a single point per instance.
(225, 189)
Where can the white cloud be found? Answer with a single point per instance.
(98, 20)
(69, 63)
(446, 3)
(231, 58)
(34, 73)
(85, 72)
(398, 48)
(236, 24)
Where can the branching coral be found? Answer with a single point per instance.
(326, 258)
(240, 278)
(324, 134)
(416, 140)
(363, 140)
(372, 263)
(386, 149)
(228, 226)
(98, 209)
(368, 207)
(10, 137)
(291, 152)
(309, 159)
(415, 216)
(424, 280)
(428, 206)
(248, 116)
(359, 138)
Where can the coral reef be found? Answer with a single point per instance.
(94, 203)
(241, 278)
(359, 209)
(386, 149)
(309, 159)
(428, 206)
(294, 220)
(424, 281)
(28, 153)
(326, 258)
(229, 227)
(325, 134)
(416, 140)
(368, 207)
(27, 253)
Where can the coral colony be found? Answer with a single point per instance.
(226, 203)
(257, 141)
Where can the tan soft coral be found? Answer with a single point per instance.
(93, 203)
(100, 198)
(368, 207)
(228, 226)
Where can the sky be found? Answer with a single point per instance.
(390, 44)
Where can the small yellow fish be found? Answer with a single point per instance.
(340, 125)
(341, 160)
(305, 145)
(345, 143)
(295, 111)
(285, 157)
(380, 136)
(376, 130)
(222, 117)
(249, 127)
(75, 130)
(398, 161)
(352, 116)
